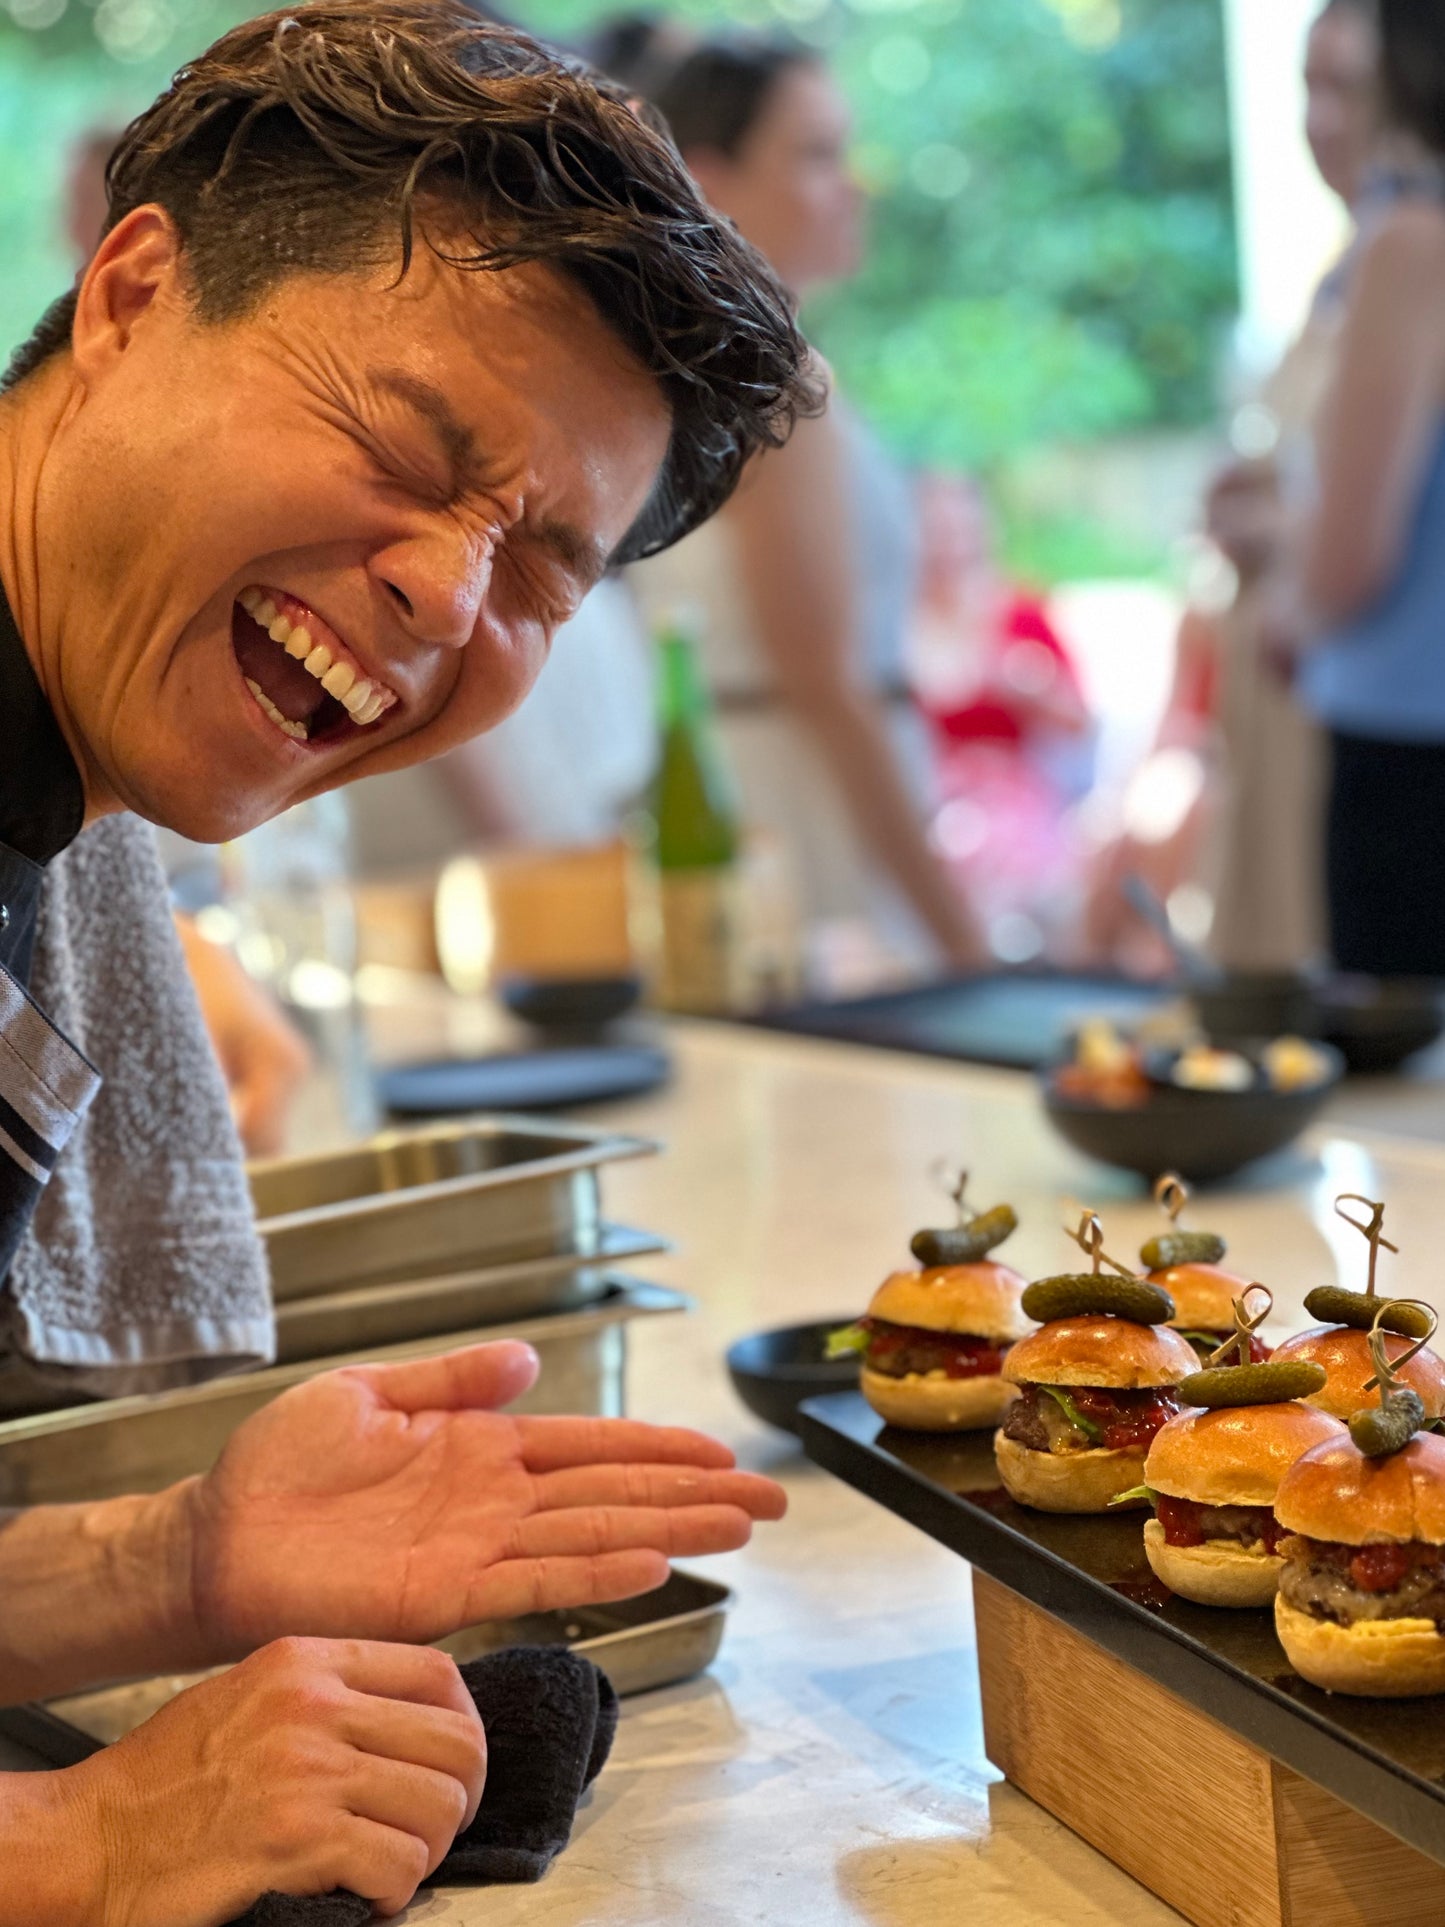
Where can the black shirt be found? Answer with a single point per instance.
(42, 803)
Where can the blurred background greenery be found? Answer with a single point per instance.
(1053, 269)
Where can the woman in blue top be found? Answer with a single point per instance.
(1373, 554)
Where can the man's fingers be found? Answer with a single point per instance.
(518, 1586)
(681, 1532)
(428, 1805)
(552, 1444)
(419, 1674)
(434, 1737)
(479, 1378)
(383, 1864)
(658, 1485)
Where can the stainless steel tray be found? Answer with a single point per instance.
(411, 1204)
(388, 1314)
(142, 1444)
(658, 1640)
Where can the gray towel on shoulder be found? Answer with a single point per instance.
(142, 1269)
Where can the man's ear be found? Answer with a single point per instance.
(137, 265)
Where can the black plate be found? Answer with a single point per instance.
(774, 1371)
(1384, 1757)
(1018, 1020)
(570, 1003)
(1203, 1135)
(541, 1080)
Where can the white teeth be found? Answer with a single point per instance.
(296, 731)
(363, 700)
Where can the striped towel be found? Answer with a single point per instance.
(45, 1087)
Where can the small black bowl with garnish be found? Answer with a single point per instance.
(773, 1372)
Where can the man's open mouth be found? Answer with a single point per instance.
(302, 675)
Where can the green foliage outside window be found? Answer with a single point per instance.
(1053, 252)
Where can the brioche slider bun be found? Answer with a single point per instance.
(937, 1403)
(1231, 1455)
(1345, 1355)
(1203, 1295)
(1337, 1494)
(1069, 1481)
(980, 1300)
(1091, 1349)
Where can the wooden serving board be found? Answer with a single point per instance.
(1173, 1738)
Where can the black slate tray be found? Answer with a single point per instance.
(1385, 1758)
(1018, 1020)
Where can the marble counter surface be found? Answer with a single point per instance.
(830, 1769)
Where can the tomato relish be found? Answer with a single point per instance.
(900, 1350)
(1377, 1568)
(1125, 1419)
(1187, 1524)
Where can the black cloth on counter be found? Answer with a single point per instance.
(1385, 856)
(42, 803)
(550, 1718)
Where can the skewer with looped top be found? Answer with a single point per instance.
(1245, 1328)
(1387, 1370)
(1171, 1194)
(1371, 1230)
(1090, 1239)
(952, 1179)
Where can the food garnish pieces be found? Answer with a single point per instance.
(1203, 1068)
(1384, 1429)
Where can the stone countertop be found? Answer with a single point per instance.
(830, 1768)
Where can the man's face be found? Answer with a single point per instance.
(331, 539)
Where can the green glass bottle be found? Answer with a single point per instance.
(696, 838)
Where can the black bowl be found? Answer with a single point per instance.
(1376, 1023)
(1250, 1004)
(774, 1371)
(1203, 1135)
(570, 1003)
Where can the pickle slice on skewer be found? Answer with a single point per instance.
(965, 1244)
(1333, 1305)
(1268, 1384)
(1080, 1293)
(1380, 1430)
(1182, 1248)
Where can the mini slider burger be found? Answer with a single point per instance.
(934, 1340)
(1186, 1265)
(1361, 1603)
(1212, 1474)
(1341, 1342)
(1096, 1382)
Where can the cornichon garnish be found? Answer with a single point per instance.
(1270, 1384)
(1182, 1248)
(965, 1244)
(847, 1343)
(1177, 1246)
(1333, 1305)
(1388, 1427)
(1072, 1413)
(1079, 1293)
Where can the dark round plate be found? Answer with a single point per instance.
(1203, 1135)
(570, 1003)
(1377, 1023)
(774, 1371)
(540, 1080)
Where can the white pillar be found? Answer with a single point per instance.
(1290, 226)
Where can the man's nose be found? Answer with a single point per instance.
(438, 586)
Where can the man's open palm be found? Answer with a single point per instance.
(396, 1502)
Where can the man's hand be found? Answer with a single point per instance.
(396, 1502)
(312, 1765)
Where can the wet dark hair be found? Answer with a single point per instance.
(714, 95)
(338, 137)
(1412, 67)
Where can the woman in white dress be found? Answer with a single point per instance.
(805, 580)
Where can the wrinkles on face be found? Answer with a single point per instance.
(438, 469)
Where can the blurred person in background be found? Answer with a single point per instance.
(1372, 548)
(1237, 772)
(805, 582)
(1012, 732)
